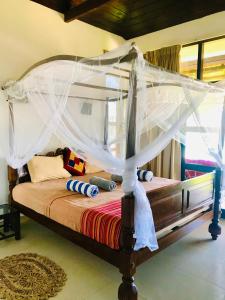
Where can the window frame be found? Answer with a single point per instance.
(201, 53)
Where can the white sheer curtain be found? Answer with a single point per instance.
(68, 98)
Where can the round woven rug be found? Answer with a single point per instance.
(29, 276)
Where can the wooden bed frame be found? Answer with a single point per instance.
(169, 205)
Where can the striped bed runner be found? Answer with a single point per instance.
(103, 223)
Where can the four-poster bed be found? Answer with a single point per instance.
(169, 204)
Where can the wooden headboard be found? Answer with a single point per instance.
(12, 179)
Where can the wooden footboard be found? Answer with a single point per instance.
(173, 203)
(198, 192)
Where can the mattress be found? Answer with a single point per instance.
(51, 199)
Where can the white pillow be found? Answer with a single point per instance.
(43, 168)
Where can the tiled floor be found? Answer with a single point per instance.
(191, 269)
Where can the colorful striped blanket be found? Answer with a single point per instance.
(103, 223)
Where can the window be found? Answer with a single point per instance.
(189, 61)
(214, 60)
(202, 60)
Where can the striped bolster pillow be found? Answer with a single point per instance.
(144, 175)
(82, 188)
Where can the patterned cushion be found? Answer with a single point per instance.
(73, 164)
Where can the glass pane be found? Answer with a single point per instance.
(196, 148)
(188, 61)
(214, 60)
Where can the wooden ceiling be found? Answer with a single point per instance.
(132, 18)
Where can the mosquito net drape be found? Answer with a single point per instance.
(106, 110)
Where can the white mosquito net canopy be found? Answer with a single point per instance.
(116, 111)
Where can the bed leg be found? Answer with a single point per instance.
(215, 230)
(127, 289)
(214, 227)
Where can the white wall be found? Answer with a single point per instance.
(200, 29)
(30, 32)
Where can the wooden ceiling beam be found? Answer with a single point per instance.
(82, 9)
(57, 5)
(131, 18)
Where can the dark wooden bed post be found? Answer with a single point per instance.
(127, 289)
(13, 177)
(12, 173)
